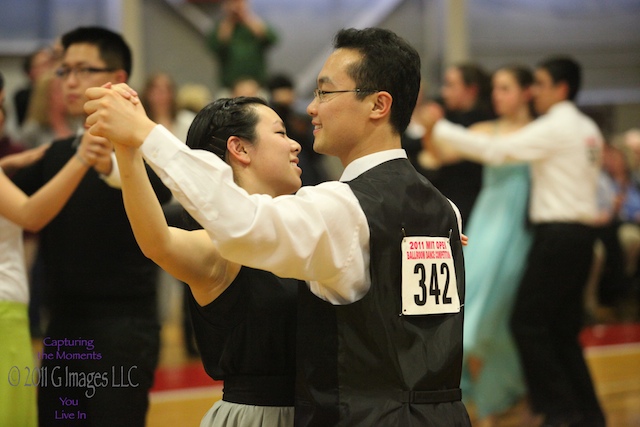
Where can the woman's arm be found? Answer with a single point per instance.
(189, 256)
(11, 163)
(33, 213)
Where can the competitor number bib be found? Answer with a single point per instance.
(429, 284)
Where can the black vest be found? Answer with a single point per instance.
(365, 364)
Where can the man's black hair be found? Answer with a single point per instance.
(114, 51)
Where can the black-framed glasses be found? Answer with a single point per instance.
(81, 72)
(321, 94)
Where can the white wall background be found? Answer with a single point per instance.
(604, 35)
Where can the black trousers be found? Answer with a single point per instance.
(110, 386)
(546, 321)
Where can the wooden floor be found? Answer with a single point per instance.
(178, 402)
(183, 393)
(616, 373)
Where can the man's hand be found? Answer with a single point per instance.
(96, 152)
(429, 113)
(114, 112)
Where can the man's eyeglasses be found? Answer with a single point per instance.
(81, 72)
(322, 94)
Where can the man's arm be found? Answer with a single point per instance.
(320, 235)
(532, 142)
(317, 235)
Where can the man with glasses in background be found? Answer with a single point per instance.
(101, 344)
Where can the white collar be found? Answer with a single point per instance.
(363, 164)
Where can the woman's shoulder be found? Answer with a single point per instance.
(488, 126)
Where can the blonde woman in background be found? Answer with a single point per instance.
(159, 98)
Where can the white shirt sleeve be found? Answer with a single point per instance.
(458, 215)
(320, 235)
(113, 179)
(532, 142)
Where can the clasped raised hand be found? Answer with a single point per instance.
(115, 112)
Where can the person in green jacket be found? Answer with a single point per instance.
(240, 40)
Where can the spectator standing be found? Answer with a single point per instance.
(35, 65)
(159, 98)
(46, 118)
(621, 235)
(240, 41)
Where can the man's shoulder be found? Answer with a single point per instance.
(61, 146)
(564, 109)
(568, 121)
(567, 109)
(559, 117)
(64, 142)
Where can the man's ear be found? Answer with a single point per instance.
(236, 148)
(382, 104)
(563, 89)
(473, 90)
(121, 76)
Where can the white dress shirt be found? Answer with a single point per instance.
(564, 149)
(319, 235)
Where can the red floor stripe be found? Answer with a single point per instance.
(190, 375)
(599, 335)
(193, 375)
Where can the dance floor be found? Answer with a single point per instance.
(183, 392)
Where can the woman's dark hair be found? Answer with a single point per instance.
(214, 124)
(524, 77)
(521, 73)
(221, 119)
(474, 74)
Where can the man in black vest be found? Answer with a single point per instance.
(380, 325)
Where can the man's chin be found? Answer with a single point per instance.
(318, 147)
(76, 111)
